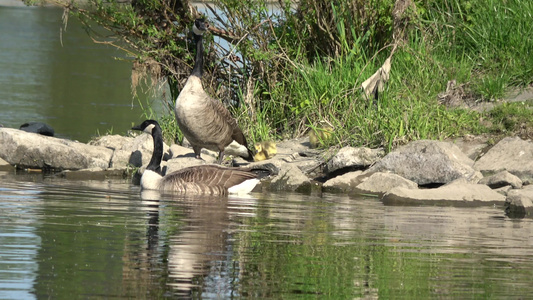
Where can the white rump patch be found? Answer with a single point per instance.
(244, 187)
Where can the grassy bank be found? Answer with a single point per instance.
(485, 46)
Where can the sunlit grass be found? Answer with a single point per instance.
(483, 45)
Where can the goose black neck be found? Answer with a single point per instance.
(199, 59)
(157, 155)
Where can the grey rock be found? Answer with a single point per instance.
(289, 147)
(457, 193)
(30, 150)
(308, 165)
(136, 152)
(511, 154)
(180, 151)
(4, 165)
(290, 178)
(502, 179)
(519, 203)
(504, 190)
(428, 162)
(350, 157)
(343, 183)
(381, 183)
(112, 141)
(519, 94)
(129, 151)
(472, 146)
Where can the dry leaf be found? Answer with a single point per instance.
(376, 82)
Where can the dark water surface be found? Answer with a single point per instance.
(76, 86)
(64, 239)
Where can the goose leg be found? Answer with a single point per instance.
(220, 157)
(197, 152)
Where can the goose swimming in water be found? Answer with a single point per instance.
(201, 180)
(203, 120)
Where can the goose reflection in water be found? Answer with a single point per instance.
(186, 239)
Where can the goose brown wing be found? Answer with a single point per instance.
(211, 175)
(222, 112)
(225, 115)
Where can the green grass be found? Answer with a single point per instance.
(406, 110)
(512, 118)
(484, 45)
(493, 35)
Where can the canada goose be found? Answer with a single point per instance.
(204, 121)
(318, 135)
(205, 179)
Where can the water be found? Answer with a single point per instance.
(104, 239)
(80, 88)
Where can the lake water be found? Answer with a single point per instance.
(80, 88)
(64, 239)
(67, 239)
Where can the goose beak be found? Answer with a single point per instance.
(138, 127)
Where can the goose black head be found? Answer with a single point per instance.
(146, 126)
(200, 26)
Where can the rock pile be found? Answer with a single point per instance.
(424, 171)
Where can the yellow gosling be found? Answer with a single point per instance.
(265, 150)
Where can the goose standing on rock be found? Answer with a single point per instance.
(204, 121)
(200, 180)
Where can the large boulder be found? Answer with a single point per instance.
(355, 158)
(429, 162)
(309, 165)
(511, 154)
(458, 192)
(137, 152)
(289, 147)
(343, 183)
(180, 151)
(519, 203)
(111, 141)
(123, 148)
(5, 166)
(380, 183)
(502, 179)
(130, 151)
(290, 178)
(31, 150)
(472, 146)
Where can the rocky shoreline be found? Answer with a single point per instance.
(466, 171)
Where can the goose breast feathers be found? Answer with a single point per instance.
(204, 121)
